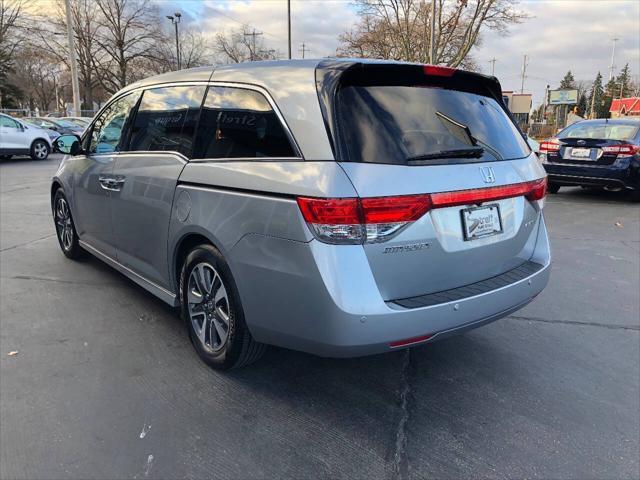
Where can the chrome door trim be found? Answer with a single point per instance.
(160, 292)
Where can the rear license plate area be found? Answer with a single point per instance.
(480, 222)
(581, 154)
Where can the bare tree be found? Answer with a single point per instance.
(129, 30)
(235, 47)
(401, 29)
(11, 12)
(38, 73)
(49, 33)
(195, 51)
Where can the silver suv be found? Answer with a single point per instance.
(338, 207)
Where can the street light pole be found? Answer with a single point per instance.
(289, 25)
(175, 19)
(75, 85)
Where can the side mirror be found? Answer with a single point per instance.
(69, 144)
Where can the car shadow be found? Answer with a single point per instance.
(592, 194)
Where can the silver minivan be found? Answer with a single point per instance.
(340, 207)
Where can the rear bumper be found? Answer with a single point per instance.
(319, 299)
(623, 174)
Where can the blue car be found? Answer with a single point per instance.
(595, 153)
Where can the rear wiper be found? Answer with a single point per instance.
(475, 152)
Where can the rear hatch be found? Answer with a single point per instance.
(403, 130)
(595, 143)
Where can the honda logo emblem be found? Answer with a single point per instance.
(488, 175)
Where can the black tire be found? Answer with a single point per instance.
(39, 150)
(65, 228)
(634, 195)
(5, 157)
(239, 348)
(553, 187)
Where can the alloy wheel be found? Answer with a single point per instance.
(40, 150)
(208, 305)
(64, 226)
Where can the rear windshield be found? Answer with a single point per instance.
(395, 124)
(600, 131)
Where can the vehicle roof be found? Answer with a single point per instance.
(291, 84)
(615, 121)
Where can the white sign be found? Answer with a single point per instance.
(563, 97)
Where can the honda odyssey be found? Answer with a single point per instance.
(338, 207)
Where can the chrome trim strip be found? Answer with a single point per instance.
(238, 191)
(160, 292)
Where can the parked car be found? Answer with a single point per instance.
(63, 127)
(20, 138)
(51, 133)
(595, 153)
(338, 207)
(79, 121)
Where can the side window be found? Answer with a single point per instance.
(166, 119)
(8, 122)
(106, 136)
(240, 123)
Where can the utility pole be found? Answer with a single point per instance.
(303, 48)
(613, 54)
(289, 25)
(544, 104)
(432, 42)
(493, 66)
(175, 19)
(75, 85)
(524, 73)
(253, 34)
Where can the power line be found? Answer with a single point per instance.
(244, 24)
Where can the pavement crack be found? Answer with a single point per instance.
(400, 464)
(575, 322)
(27, 243)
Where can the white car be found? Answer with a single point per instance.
(21, 138)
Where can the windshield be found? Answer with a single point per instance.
(65, 123)
(393, 124)
(600, 131)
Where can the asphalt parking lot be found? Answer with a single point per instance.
(106, 385)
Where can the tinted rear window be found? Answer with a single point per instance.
(390, 124)
(166, 119)
(600, 131)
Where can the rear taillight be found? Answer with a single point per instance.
(376, 219)
(622, 150)
(360, 220)
(550, 146)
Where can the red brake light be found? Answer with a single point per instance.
(479, 195)
(330, 211)
(551, 145)
(623, 150)
(437, 71)
(395, 209)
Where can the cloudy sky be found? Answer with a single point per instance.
(559, 35)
